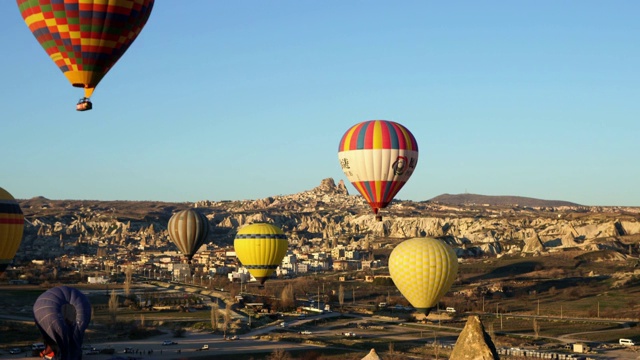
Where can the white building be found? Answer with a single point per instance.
(97, 280)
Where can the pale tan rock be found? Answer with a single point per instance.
(474, 343)
(533, 244)
(372, 355)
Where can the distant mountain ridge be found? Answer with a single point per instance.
(497, 200)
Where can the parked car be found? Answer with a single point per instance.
(92, 351)
(128, 350)
(15, 350)
(302, 316)
(168, 342)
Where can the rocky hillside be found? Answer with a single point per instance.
(474, 199)
(328, 214)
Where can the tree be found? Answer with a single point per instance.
(113, 306)
(353, 294)
(214, 316)
(128, 273)
(227, 320)
(491, 331)
(287, 298)
(392, 354)
(279, 354)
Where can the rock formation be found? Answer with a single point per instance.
(533, 245)
(327, 212)
(372, 355)
(568, 240)
(474, 343)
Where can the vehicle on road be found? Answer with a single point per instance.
(302, 316)
(128, 350)
(349, 334)
(92, 351)
(305, 332)
(626, 342)
(15, 350)
(283, 324)
(168, 342)
(234, 337)
(575, 357)
(204, 347)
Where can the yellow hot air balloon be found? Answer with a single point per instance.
(11, 228)
(260, 248)
(423, 269)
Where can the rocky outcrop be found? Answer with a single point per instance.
(568, 240)
(329, 186)
(474, 343)
(533, 244)
(328, 212)
(372, 355)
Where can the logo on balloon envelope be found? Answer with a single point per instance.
(400, 165)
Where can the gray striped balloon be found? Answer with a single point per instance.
(188, 229)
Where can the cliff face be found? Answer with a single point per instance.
(327, 212)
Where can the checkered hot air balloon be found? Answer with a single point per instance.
(378, 157)
(423, 269)
(11, 228)
(85, 38)
(260, 248)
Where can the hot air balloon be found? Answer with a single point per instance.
(188, 229)
(378, 157)
(260, 248)
(85, 38)
(63, 314)
(11, 228)
(423, 269)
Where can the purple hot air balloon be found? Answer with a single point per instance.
(62, 314)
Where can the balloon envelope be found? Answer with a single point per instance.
(423, 269)
(260, 248)
(85, 38)
(11, 228)
(378, 157)
(188, 229)
(63, 314)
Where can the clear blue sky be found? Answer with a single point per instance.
(231, 100)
